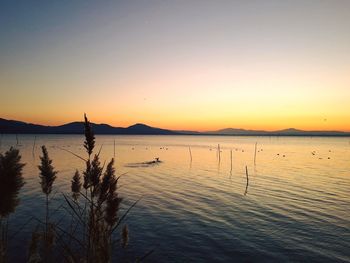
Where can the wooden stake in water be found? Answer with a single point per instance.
(34, 145)
(189, 149)
(246, 187)
(255, 154)
(114, 149)
(219, 153)
(17, 139)
(231, 159)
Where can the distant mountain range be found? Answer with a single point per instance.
(18, 127)
(285, 132)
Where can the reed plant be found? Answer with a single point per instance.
(11, 181)
(76, 185)
(47, 178)
(94, 206)
(97, 214)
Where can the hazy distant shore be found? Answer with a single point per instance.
(18, 127)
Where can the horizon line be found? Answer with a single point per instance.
(181, 130)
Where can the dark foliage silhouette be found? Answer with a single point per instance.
(11, 181)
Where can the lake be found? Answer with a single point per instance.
(296, 207)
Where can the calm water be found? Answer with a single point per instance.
(297, 206)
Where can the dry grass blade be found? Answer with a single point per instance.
(21, 228)
(74, 210)
(62, 230)
(145, 256)
(125, 214)
(76, 155)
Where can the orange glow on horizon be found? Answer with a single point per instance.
(201, 125)
(257, 66)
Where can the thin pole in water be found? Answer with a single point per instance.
(219, 153)
(255, 153)
(246, 173)
(34, 145)
(189, 149)
(114, 149)
(231, 159)
(17, 139)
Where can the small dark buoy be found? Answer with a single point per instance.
(284, 155)
(278, 154)
(329, 158)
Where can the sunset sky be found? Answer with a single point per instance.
(180, 64)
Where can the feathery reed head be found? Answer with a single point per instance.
(96, 172)
(47, 172)
(87, 175)
(76, 185)
(11, 181)
(112, 208)
(89, 142)
(107, 180)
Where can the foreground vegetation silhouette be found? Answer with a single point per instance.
(93, 208)
(11, 181)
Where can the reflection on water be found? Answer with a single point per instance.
(194, 208)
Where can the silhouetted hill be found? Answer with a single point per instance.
(232, 131)
(285, 132)
(18, 127)
(296, 132)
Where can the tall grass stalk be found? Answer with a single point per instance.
(47, 177)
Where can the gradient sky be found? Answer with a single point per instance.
(199, 65)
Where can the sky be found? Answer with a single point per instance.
(177, 64)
